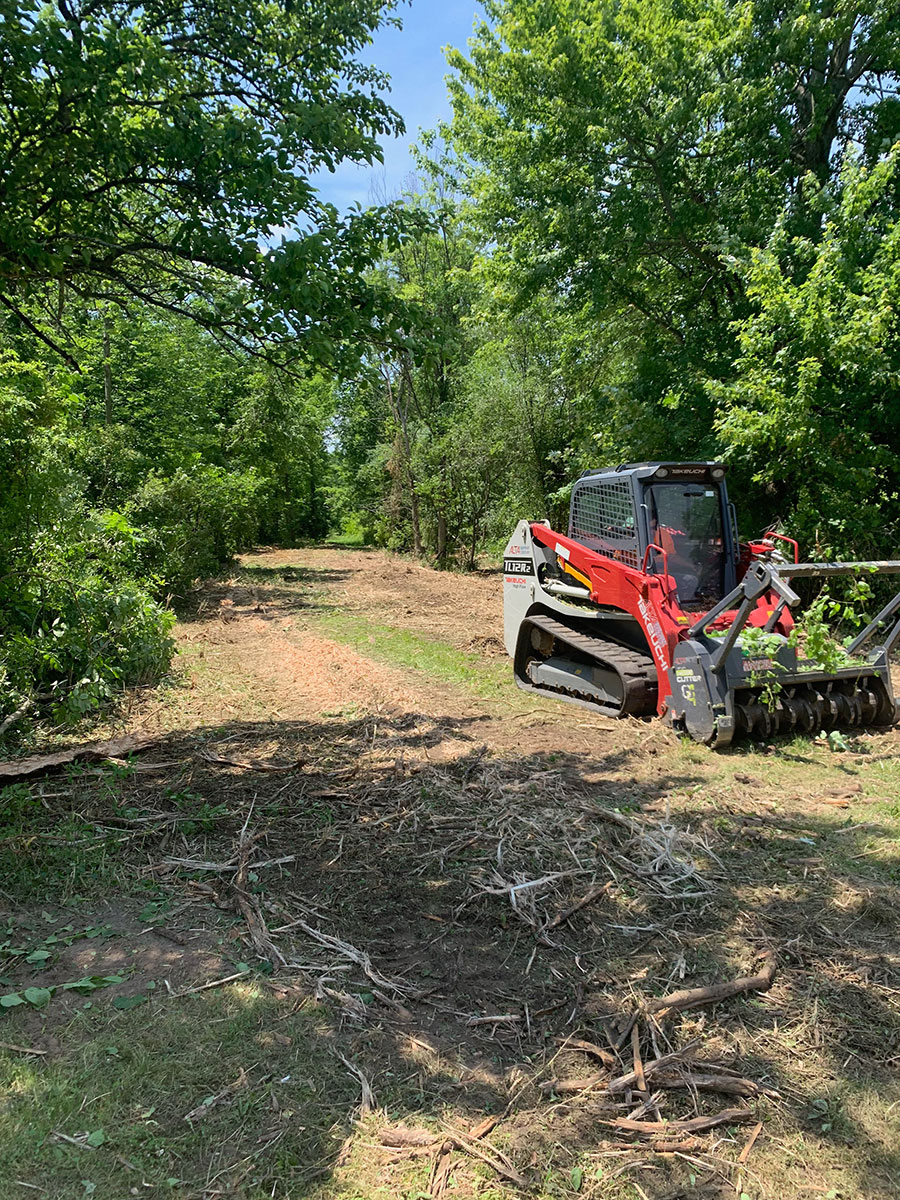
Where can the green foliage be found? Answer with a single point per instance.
(126, 484)
(812, 412)
(155, 150)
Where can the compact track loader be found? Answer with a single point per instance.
(649, 602)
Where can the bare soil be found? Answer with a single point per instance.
(411, 874)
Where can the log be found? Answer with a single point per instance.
(23, 768)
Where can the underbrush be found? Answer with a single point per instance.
(77, 623)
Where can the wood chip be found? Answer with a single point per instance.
(483, 1128)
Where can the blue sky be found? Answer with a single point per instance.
(413, 57)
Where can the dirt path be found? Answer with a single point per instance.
(355, 815)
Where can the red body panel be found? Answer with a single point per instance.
(650, 598)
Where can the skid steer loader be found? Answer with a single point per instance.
(650, 604)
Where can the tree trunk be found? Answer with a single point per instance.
(399, 412)
(107, 376)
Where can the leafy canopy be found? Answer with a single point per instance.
(150, 149)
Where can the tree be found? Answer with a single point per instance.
(158, 151)
(812, 414)
(623, 155)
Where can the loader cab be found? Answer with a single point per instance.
(649, 514)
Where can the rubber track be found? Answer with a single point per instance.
(636, 670)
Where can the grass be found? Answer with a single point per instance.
(395, 850)
(109, 1113)
(429, 658)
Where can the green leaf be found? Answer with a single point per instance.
(38, 956)
(97, 1138)
(37, 996)
(10, 1000)
(576, 1178)
(127, 1002)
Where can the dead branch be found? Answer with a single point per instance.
(22, 768)
(249, 906)
(725, 1085)
(712, 994)
(249, 764)
(595, 1051)
(15, 716)
(490, 1155)
(439, 1179)
(640, 1078)
(729, 1116)
(751, 1142)
(367, 1098)
(562, 1087)
(626, 1082)
(588, 898)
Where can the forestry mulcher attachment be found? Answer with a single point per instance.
(650, 604)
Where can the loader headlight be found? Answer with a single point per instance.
(718, 473)
(662, 472)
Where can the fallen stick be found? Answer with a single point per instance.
(624, 1082)
(497, 1019)
(640, 1078)
(679, 1147)
(249, 764)
(729, 1116)
(588, 898)
(713, 993)
(751, 1142)
(211, 1102)
(401, 1138)
(15, 716)
(725, 1085)
(564, 1086)
(20, 1049)
(439, 1179)
(367, 1098)
(213, 983)
(605, 1056)
(249, 906)
(493, 1157)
